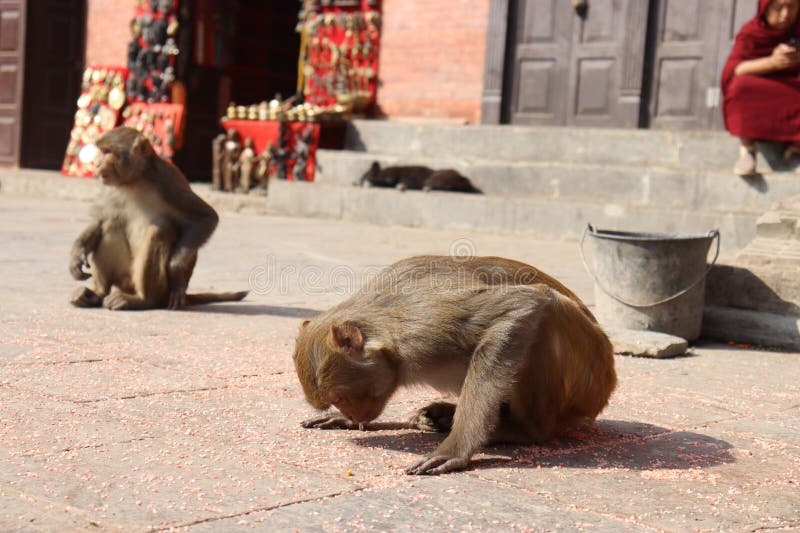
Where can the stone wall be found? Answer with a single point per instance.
(107, 31)
(432, 56)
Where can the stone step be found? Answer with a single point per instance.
(769, 288)
(583, 182)
(531, 215)
(728, 324)
(650, 148)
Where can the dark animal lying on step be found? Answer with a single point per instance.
(416, 178)
(524, 355)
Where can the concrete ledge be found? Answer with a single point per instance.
(641, 185)
(52, 184)
(752, 327)
(540, 217)
(48, 184)
(597, 146)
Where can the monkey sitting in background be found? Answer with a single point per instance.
(416, 178)
(145, 232)
(524, 355)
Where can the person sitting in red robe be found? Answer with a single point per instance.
(761, 82)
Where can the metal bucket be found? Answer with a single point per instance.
(651, 281)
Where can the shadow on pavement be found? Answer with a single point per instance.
(607, 445)
(248, 309)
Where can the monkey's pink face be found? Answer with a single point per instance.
(363, 409)
(106, 169)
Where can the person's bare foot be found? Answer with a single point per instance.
(746, 165)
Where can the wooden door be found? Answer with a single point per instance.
(742, 11)
(577, 70)
(542, 37)
(687, 63)
(12, 61)
(55, 50)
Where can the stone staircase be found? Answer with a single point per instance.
(756, 298)
(547, 181)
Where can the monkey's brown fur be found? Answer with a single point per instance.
(145, 232)
(524, 354)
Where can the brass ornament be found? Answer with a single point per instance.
(90, 134)
(102, 94)
(116, 98)
(83, 118)
(84, 100)
(107, 118)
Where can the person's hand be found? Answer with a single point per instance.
(785, 56)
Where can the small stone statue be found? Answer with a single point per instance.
(245, 165)
(217, 147)
(262, 168)
(230, 155)
(301, 154)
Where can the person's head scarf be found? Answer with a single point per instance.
(756, 39)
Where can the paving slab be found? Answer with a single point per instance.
(158, 420)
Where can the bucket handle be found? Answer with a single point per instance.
(714, 234)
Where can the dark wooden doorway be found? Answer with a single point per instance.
(12, 62)
(55, 51)
(244, 51)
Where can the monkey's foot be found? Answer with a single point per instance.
(437, 416)
(86, 297)
(118, 301)
(438, 464)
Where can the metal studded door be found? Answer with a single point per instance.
(573, 69)
(12, 56)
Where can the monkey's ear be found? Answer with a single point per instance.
(347, 337)
(142, 147)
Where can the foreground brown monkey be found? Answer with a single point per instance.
(524, 354)
(145, 231)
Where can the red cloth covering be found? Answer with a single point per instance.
(265, 132)
(763, 107)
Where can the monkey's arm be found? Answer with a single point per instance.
(335, 421)
(198, 221)
(85, 244)
(490, 377)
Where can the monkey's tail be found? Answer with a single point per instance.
(213, 297)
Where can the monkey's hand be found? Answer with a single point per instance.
(446, 458)
(331, 421)
(179, 271)
(79, 264)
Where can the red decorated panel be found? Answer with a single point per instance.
(102, 97)
(341, 53)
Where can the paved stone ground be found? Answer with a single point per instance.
(190, 420)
